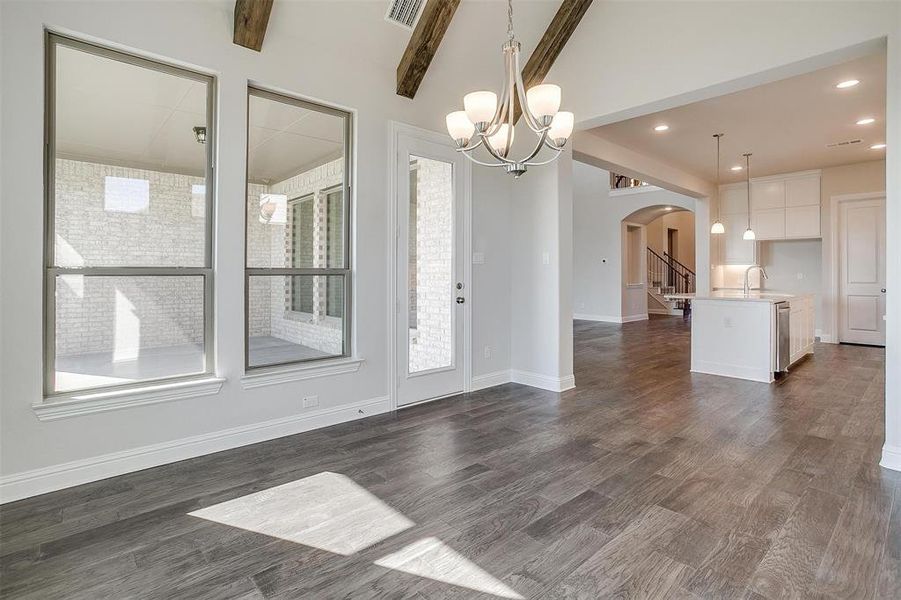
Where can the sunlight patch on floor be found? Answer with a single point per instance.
(326, 511)
(433, 559)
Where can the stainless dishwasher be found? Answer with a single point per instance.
(783, 336)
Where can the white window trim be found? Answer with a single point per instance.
(92, 401)
(298, 372)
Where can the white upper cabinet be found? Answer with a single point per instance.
(768, 224)
(802, 191)
(767, 194)
(733, 200)
(802, 222)
(734, 249)
(782, 207)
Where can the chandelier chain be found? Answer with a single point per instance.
(510, 19)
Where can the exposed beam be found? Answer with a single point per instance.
(552, 42)
(433, 22)
(251, 20)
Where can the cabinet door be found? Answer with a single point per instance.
(802, 222)
(767, 194)
(733, 200)
(804, 191)
(769, 224)
(737, 251)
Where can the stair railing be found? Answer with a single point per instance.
(670, 275)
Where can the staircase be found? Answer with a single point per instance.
(666, 275)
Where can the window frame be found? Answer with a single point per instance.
(345, 271)
(52, 41)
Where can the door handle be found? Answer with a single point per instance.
(883, 290)
(460, 299)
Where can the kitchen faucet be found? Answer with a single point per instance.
(747, 274)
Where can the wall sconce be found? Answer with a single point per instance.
(200, 135)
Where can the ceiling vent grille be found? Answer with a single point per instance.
(404, 12)
(844, 143)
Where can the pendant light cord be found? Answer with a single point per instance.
(748, 180)
(718, 136)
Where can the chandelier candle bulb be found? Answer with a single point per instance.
(544, 101)
(561, 127)
(498, 141)
(459, 127)
(480, 108)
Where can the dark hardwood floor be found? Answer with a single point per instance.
(643, 482)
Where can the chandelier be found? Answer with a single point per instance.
(488, 121)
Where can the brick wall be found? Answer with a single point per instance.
(113, 222)
(431, 340)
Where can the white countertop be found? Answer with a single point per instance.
(737, 295)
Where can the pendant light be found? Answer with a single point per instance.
(717, 226)
(749, 233)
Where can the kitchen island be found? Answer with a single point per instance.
(734, 334)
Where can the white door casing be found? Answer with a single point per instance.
(861, 271)
(431, 345)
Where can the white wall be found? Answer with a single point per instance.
(541, 276)
(491, 207)
(598, 290)
(197, 35)
(683, 222)
(847, 179)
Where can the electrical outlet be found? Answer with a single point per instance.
(310, 401)
(487, 351)
(546, 257)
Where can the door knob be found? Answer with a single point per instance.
(460, 299)
(883, 290)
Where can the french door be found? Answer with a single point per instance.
(862, 272)
(431, 289)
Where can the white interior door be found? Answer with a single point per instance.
(862, 272)
(431, 291)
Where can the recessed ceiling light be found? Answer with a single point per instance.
(877, 146)
(847, 84)
(661, 128)
(866, 121)
(736, 168)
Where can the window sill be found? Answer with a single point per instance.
(300, 372)
(89, 402)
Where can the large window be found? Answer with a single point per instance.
(128, 286)
(297, 254)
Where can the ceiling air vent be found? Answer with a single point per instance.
(843, 143)
(404, 12)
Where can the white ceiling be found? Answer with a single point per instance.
(113, 112)
(785, 124)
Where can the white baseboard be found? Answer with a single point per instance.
(48, 479)
(545, 382)
(609, 319)
(891, 458)
(481, 382)
(735, 371)
(598, 318)
(824, 338)
(633, 318)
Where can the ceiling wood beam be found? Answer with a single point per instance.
(552, 42)
(433, 23)
(251, 20)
